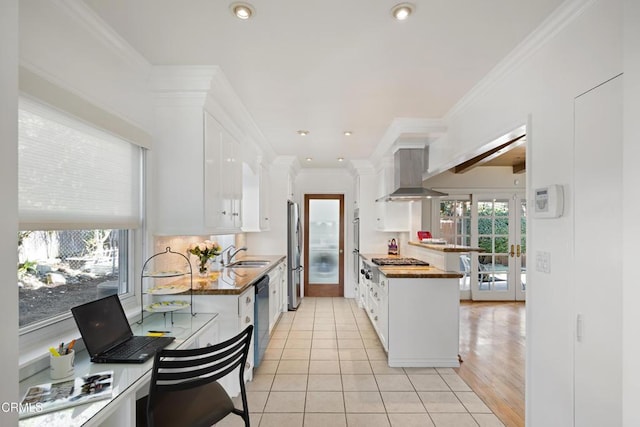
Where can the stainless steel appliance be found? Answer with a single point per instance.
(294, 248)
(356, 247)
(261, 319)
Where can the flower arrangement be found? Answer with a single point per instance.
(204, 251)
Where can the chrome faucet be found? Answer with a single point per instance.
(230, 254)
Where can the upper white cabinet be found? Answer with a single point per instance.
(390, 216)
(222, 178)
(255, 198)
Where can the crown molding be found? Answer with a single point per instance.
(559, 19)
(182, 79)
(360, 167)
(228, 100)
(404, 129)
(96, 26)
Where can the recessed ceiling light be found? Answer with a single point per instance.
(402, 11)
(309, 159)
(303, 132)
(242, 11)
(341, 159)
(348, 133)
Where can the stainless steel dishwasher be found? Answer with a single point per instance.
(261, 319)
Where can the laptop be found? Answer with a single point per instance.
(108, 337)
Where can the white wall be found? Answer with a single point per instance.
(59, 42)
(9, 206)
(332, 181)
(630, 207)
(539, 92)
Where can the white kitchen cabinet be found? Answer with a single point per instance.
(263, 196)
(278, 293)
(235, 312)
(416, 319)
(222, 178)
(197, 174)
(391, 216)
(284, 292)
(255, 198)
(275, 300)
(423, 322)
(382, 321)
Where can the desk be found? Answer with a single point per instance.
(130, 380)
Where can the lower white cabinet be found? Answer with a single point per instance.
(277, 294)
(416, 319)
(236, 312)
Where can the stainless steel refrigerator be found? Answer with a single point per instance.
(294, 248)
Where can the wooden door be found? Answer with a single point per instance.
(324, 245)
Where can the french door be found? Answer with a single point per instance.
(499, 229)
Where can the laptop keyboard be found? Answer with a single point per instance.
(150, 344)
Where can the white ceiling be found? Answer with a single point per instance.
(332, 65)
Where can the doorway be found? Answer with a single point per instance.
(500, 232)
(324, 245)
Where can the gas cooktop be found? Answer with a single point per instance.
(398, 261)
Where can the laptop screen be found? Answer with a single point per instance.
(102, 324)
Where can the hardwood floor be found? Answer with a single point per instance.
(492, 347)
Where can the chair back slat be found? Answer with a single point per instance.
(175, 370)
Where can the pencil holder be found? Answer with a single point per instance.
(61, 366)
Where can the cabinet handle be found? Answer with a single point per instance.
(247, 320)
(381, 283)
(375, 318)
(375, 295)
(372, 311)
(266, 219)
(248, 300)
(247, 366)
(235, 214)
(223, 212)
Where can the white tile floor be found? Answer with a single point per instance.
(325, 367)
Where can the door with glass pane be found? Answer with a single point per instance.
(324, 245)
(500, 232)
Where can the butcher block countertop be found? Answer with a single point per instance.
(230, 281)
(446, 248)
(410, 271)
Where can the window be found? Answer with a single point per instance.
(79, 192)
(455, 221)
(59, 269)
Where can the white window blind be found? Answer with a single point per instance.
(72, 176)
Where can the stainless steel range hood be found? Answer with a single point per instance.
(408, 164)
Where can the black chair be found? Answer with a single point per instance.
(184, 389)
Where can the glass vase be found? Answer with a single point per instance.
(203, 269)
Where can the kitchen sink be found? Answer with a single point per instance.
(249, 263)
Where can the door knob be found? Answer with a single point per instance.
(512, 253)
(518, 250)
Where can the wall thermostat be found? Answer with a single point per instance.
(548, 202)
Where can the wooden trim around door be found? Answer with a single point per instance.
(324, 290)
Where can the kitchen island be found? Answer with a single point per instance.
(415, 312)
